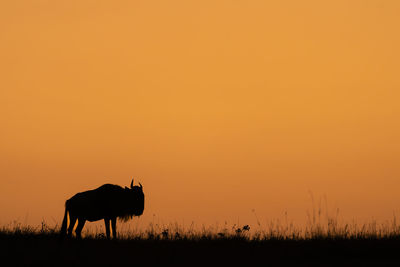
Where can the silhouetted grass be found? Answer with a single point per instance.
(273, 231)
(322, 242)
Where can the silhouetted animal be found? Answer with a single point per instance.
(106, 202)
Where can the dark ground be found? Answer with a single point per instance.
(50, 251)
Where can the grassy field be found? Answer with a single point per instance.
(276, 245)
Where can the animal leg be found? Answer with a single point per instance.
(72, 221)
(78, 230)
(114, 227)
(107, 222)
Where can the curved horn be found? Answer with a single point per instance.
(141, 186)
(132, 184)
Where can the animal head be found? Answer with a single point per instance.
(136, 198)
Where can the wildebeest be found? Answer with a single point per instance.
(107, 202)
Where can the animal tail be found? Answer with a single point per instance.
(63, 231)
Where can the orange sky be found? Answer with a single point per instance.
(218, 107)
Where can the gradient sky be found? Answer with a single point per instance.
(217, 107)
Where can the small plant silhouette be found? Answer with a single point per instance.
(165, 233)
